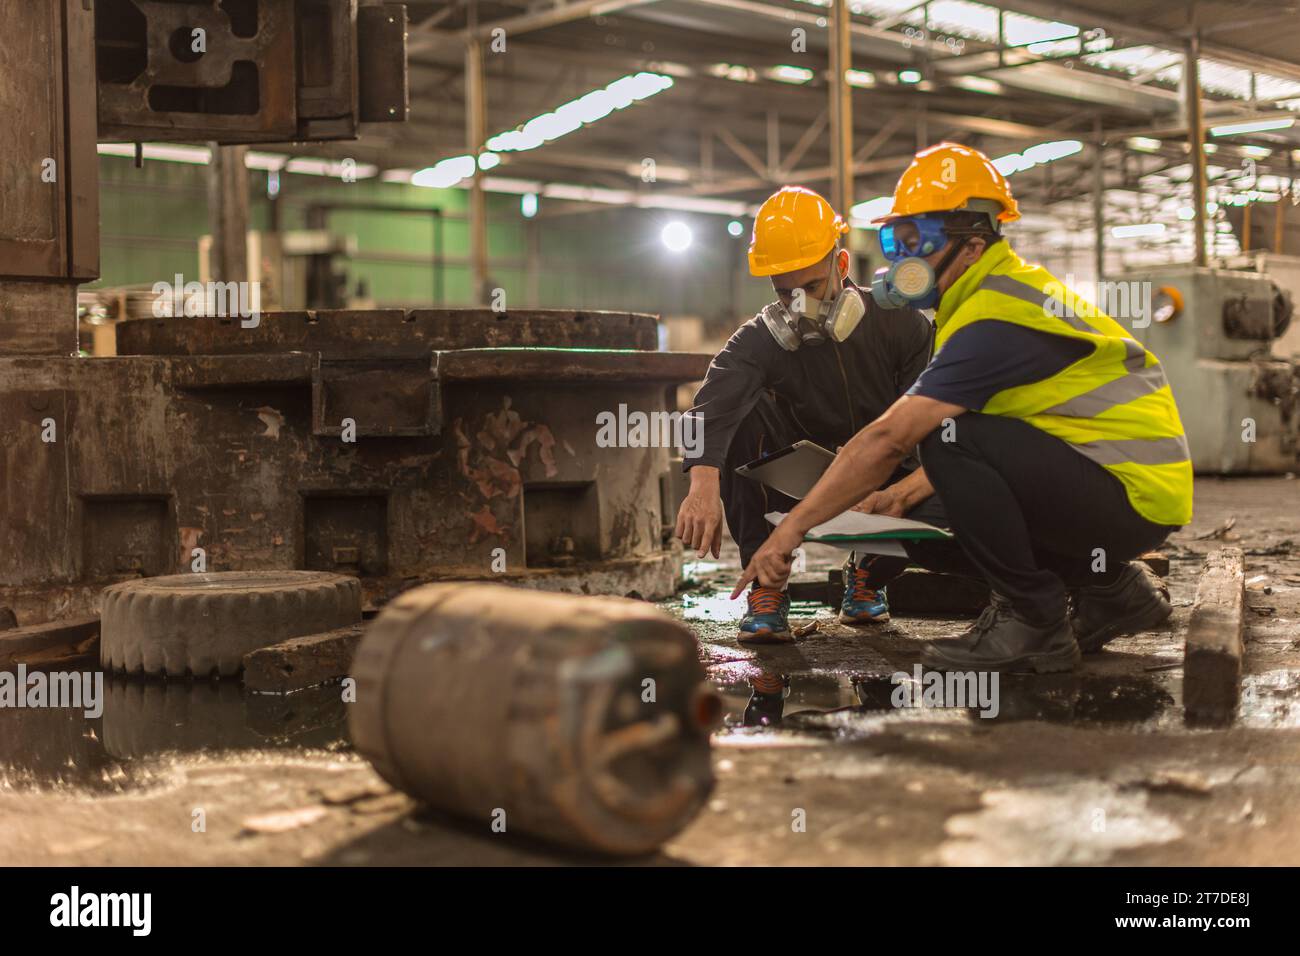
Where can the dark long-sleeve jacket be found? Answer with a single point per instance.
(830, 390)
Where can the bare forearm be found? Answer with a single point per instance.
(914, 489)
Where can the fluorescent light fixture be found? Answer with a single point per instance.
(1138, 229)
(444, 174)
(528, 205)
(1210, 148)
(197, 155)
(979, 84)
(735, 72)
(1050, 152)
(789, 74)
(488, 160)
(573, 115)
(862, 213)
(1256, 126)
(735, 228)
(676, 236)
(1143, 144)
(909, 76)
(859, 78)
(1257, 152)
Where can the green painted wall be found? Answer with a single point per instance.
(612, 258)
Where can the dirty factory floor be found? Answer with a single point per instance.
(1094, 767)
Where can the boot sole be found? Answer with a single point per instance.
(765, 637)
(880, 619)
(1142, 620)
(1066, 659)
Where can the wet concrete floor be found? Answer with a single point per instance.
(1084, 768)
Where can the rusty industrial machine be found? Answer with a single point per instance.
(396, 446)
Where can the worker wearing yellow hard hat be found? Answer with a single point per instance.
(1049, 434)
(814, 365)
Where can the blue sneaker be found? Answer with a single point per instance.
(768, 620)
(862, 604)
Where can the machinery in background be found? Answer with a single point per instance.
(1214, 331)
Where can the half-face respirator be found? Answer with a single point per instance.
(909, 280)
(820, 319)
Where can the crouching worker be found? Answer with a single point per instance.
(817, 364)
(1050, 435)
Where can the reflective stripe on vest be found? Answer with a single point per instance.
(1102, 421)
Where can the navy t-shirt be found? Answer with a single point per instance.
(991, 355)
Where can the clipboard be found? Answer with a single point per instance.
(792, 471)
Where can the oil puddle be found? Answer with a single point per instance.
(838, 704)
(143, 719)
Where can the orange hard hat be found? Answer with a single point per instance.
(794, 228)
(945, 178)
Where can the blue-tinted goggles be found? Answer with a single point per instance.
(912, 236)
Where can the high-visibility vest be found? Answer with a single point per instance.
(1113, 406)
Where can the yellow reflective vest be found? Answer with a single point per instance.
(1113, 405)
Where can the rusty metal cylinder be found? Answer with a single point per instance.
(581, 720)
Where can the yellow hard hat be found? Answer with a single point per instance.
(794, 228)
(945, 178)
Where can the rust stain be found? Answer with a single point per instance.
(491, 462)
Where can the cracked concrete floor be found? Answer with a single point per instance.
(1090, 768)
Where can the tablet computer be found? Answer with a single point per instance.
(792, 471)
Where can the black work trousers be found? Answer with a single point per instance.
(1031, 515)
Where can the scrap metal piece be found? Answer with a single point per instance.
(582, 720)
(381, 51)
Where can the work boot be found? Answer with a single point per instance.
(768, 620)
(1137, 601)
(1001, 641)
(862, 604)
(766, 701)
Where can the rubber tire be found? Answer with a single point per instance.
(204, 624)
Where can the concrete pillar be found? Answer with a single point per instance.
(228, 214)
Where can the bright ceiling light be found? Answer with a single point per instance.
(1258, 126)
(1138, 229)
(979, 84)
(676, 236)
(789, 74)
(488, 160)
(859, 78)
(909, 76)
(528, 205)
(1257, 152)
(1143, 144)
(445, 174)
(573, 115)
(735, 228)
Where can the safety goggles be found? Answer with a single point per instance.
(912, 236)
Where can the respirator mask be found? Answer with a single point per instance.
(819, 319)
(909, 280)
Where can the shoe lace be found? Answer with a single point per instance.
(989, 617)
(861, 592)
(765, 600)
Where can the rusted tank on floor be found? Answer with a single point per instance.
(582, 720)
(396, 446)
